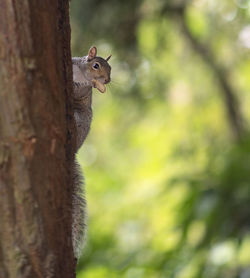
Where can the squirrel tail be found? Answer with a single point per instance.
(79, 207)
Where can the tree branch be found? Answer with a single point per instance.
(235, 117)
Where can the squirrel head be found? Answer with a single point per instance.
(96, 67)
(92, 69)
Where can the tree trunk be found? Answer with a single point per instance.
(35, 139)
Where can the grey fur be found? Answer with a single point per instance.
(79, 219)
(83, 74)
(83, 117)
(82, 112)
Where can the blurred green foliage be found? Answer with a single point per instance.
(168, 183)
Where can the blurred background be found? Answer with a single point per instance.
(167, 160)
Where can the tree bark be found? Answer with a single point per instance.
(35, 139)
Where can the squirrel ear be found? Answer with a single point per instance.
(92, 53)
(108, 57)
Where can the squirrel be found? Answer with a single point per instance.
(88, 71)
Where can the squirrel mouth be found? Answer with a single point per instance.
(98, 85)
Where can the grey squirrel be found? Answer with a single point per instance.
(88, 71)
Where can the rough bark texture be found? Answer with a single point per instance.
(35, 152)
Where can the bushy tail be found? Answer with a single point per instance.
(79, 206)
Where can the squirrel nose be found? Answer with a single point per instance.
(107, 80)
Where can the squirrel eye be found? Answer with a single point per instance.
(96, 66)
